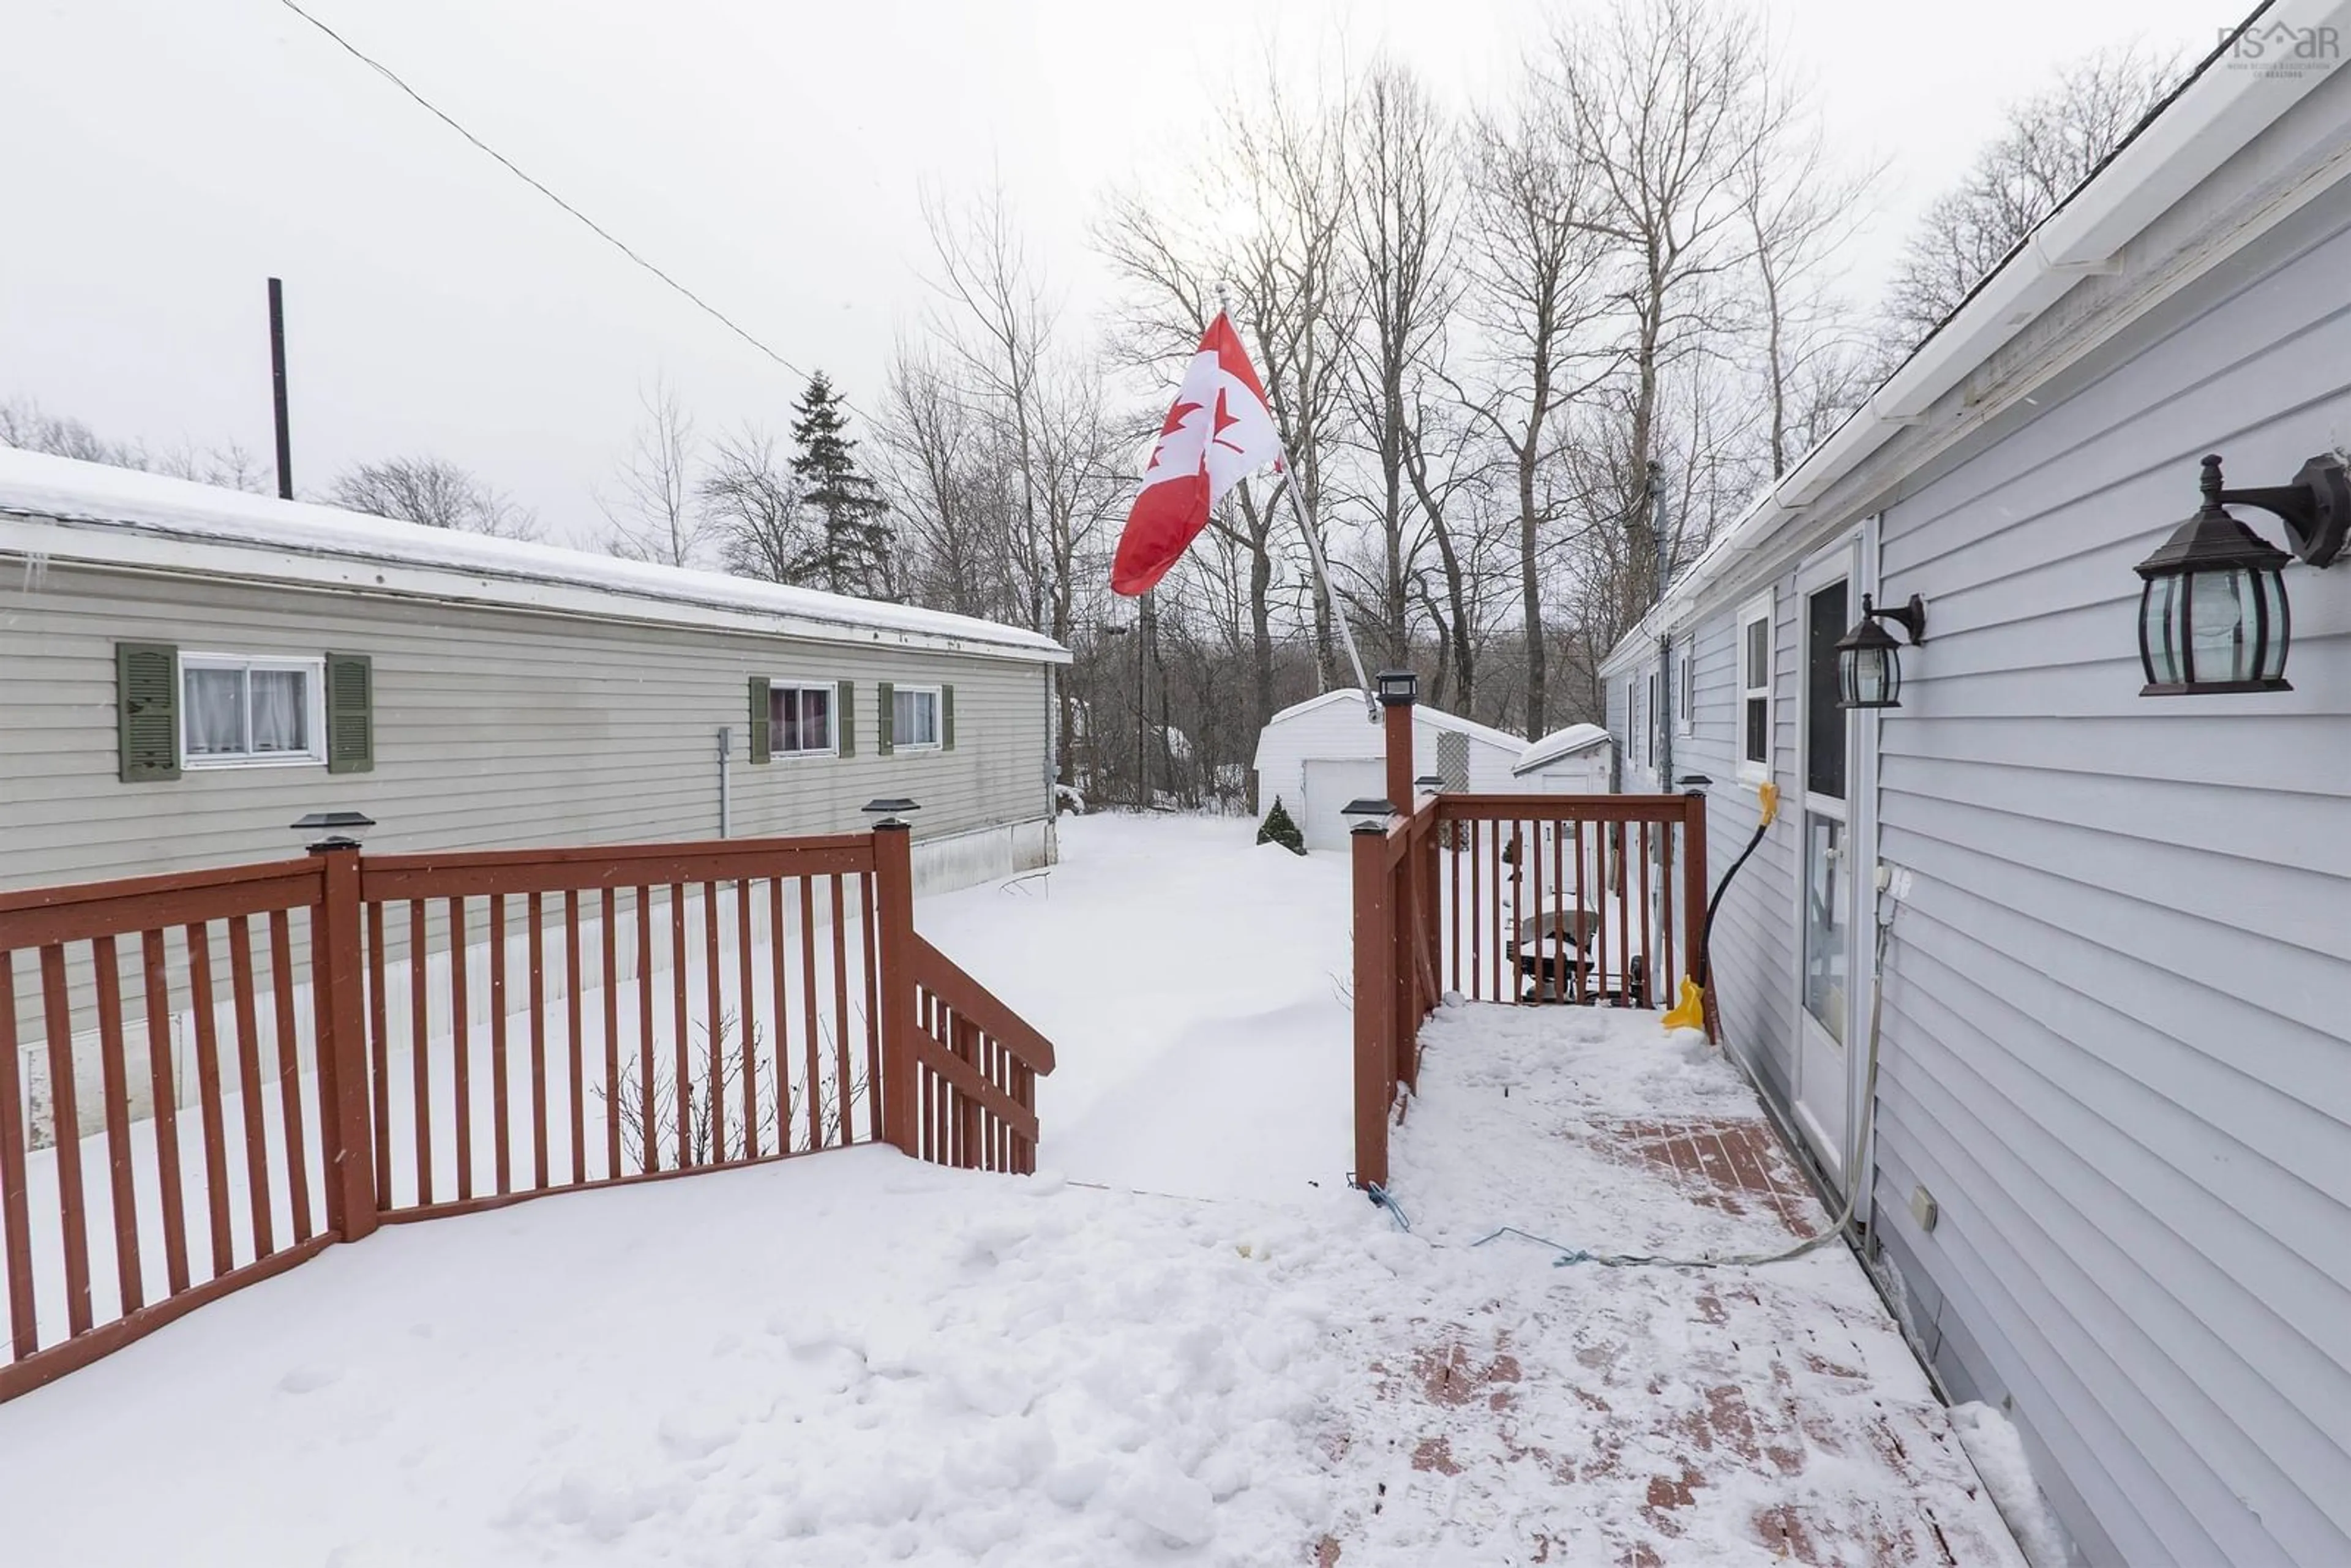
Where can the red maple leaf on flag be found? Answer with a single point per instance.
(1193, 464)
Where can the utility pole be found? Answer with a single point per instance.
(278, 389)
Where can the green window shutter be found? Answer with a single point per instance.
(351, 713)
(886, 699)
(762, 721)
(844, 717)
(146, 712)
(946, 719)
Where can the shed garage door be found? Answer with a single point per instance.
(1329, 787)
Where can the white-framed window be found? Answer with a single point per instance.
(801, 719)
(1686, 679)
(1754, 737)
(248, 711)
(1654, 722)
(915, 718)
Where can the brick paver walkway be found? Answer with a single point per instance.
(1641, 1417)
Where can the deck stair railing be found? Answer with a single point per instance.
(1597, 899)
(231, 1069)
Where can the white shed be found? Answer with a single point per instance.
(1322, 753)
(1576, 760)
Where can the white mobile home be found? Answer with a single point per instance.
(1319, 755)
(193, 669)
(2106, 1168)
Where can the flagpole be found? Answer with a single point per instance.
(1314, 548)
(1322, 574)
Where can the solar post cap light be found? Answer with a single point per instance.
(1397, 688)
(1429, 784)
(333, 830)
(1869, 661)
(890, 811)
(2214, 615)
(1370, 815)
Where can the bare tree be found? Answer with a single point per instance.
(1046, 408)
(1398, 246)
(25, 425)
(1660, 98)
(229, 467)
(1799, 204)
(2049, 144)
(753, 506)
(434, 492)
(1275, 180)
(651, 506)
(1536, 256)
(998, 320)
(946, 495)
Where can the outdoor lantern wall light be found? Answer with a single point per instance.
(1398, 688)
(333, 830)
(1869, 661)
(1370, 816)
(2214, 615)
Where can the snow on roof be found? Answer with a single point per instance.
(1426, 715)
(1559, 743)
(72, 510)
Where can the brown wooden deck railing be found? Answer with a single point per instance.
(377, 1038)
(1597, 899)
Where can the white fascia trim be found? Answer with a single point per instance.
(152, 549)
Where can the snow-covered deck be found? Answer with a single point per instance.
(1547, 1409)
(856, 1358)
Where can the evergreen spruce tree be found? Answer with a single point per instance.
(1279, 828)
(853, 553)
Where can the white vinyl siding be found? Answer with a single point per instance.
(494, 728)
(2113, 1046)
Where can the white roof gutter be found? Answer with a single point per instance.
(2214, 116)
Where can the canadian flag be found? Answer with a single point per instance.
(1219, 433)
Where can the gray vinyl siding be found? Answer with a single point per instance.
(1753, 943)
(2116, 997)
(493, 728)
(2117, 1044)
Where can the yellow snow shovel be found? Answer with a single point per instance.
(1690, 1012)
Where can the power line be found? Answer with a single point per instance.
(606, 236)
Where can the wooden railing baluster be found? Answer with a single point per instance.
(950, 1071)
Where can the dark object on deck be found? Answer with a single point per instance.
(1553, 951)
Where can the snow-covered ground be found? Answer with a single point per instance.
(1194, 983)
(855, 1358)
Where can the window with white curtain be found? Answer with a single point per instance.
(242, 712)
(801, 719)
(915, 717)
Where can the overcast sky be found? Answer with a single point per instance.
(166, 156)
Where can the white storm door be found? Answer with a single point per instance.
(1826, 865)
